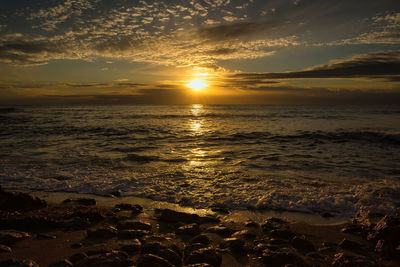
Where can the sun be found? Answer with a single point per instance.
(197, 84)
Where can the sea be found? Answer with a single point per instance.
(335, 159)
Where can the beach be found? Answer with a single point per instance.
(81, 231)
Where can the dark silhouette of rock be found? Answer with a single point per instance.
(201, 239)
(278, 258)
(134, 225)
(29, 223)
(130, 234)
(220, 230)
(8, 237)
(133, 246)
(78, 257)
(250, 233)
(86, 201)
(272, 224)
(63, 263)
(252, 224)
(344, 260)
(282, 233)
(234, 244)
(11, 201)
(205, 255)
(5, 249)
(160, 250)
(220, 210)
(302, 244)
(136, 209)
(350, 245)
(189, 229)
(169, 215)
(77, 223)
(76, 245)
(110, 259)
(103, 233)
(18, 263)
(148, 260)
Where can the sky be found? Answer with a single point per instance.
(199, 51)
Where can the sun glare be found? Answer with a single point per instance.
(197, 84)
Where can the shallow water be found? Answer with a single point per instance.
(298, 158)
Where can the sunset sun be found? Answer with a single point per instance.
(197, 84)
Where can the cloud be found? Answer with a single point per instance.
(384, 65)
(228, 31)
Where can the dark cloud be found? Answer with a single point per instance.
(228, 31)
(384, 64)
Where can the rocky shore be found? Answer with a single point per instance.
(78, 232)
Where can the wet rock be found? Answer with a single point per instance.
(136, 209)
(278, 258)
(66, 201)
(302, 244)
(201, 239)
(367, 218)
(282, 234)
(316, 255)
(78, 257)
(134, 225)
(350, 245)
(133, 246)
(111, 259)
(234, 244)
(258, 249)
(8, 237)
(18, 263)
(220, 210)
(166, 253)
(116, 193)
(199, 265)
(278, 242)
(272, 224)
(76, 245)
(11, 201)
(247, 234)
(192, 247)
(63, 263)
(219, 230)
(94, 215)
(77, 223)
(190, 229)
(169, 215)
(98, 251)
(4, 249)
(86, 201)
(46, 236)
(252, 224)
(205, 255)
(352, 228)
(152, 260)
(344, 260)
(130, 234)
(103, 233)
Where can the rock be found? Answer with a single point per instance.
(133, 246)
(278, 242)
(86, 201)
(11, 201)
(4, 249)
(201, 239)
(94, 215)
(352, 229)
(46, 236)
(136, 209)
(29, 223)
(367, 219)
(78, 257)
(272, 224)
(103, 233)
(199, 265)
(66, 201)
(134, 225)
(316, 255)
(189, 229)
(234, 244)
(76, 245)
(219, 230)
(98, 251)
(344, 260)
(169, 215)
(278, 258)
(152, 260)
(205, 255)
(302, 244)
(159, 250)
(220, 210)
(282, 234)
(8, 237)
(111, 259)
(247, 233)
(116, 193)
(130, 234)
(252, 224)
(18, 263)
(192, 247)
(63, 263)
(349, 245)
(77, 223)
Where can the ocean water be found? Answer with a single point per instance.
(336, 159)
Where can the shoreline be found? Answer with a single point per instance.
(69, 229)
